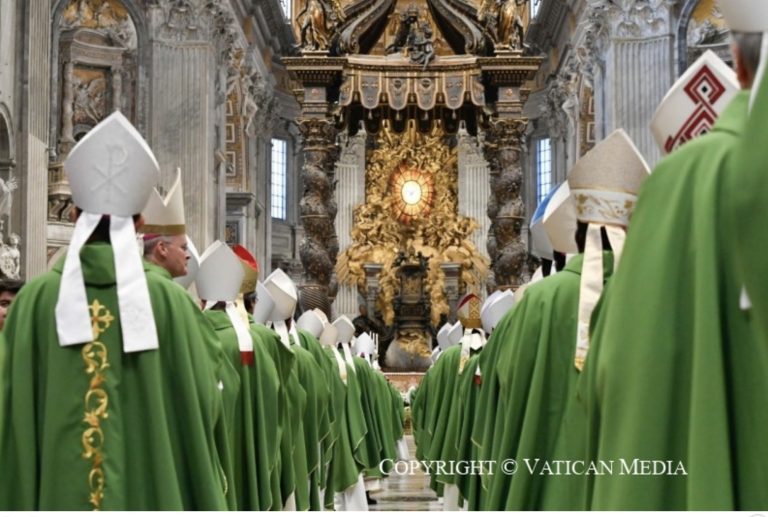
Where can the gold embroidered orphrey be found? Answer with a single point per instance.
(96, 402)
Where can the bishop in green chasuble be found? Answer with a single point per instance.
(676, 373)
(90, 426)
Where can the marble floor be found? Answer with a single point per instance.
(405, 492)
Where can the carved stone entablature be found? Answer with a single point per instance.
(195, 20)
(371, 79)
(627, 19)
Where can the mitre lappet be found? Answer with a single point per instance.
(604, 184)
(111, 172)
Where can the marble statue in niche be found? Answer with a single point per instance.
(10, 257)
(6, 199)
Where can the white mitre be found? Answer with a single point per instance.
(310, 322)
(604, 183)
(218, 280)
(165, 216)
(442, 336)
(455, 334)
(283, 292)
(498, 309)
(111, 171)
(193, 266)
(220, 274)
(346, 329)
(330, 335)
(559, 220)
(364, 346)
(695, 101)
(264, 304)
(540, 245)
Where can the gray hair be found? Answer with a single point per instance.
(749, 44)
(150, 244)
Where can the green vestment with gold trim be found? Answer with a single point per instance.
(90, 426)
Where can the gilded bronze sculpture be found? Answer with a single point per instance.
(318, 21)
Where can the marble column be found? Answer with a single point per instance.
(506, 209)
(33, 156)
(634, 96)
(474, 188)
(320, 246)
(183, 132)
(350, 193)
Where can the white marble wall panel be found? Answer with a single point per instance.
(474, 189)
(641, 73)
(33, 195)
(350, 192)
(183, 130)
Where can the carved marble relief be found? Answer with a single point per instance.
(707, 30)
(97, 72)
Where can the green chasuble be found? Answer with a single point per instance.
(486, 413)
(291, 398)
(675, 373)
(439, 403)
(89, 426)
(418, 406)
(350, 429)
(327, 416)
(377, 406)
(468, 477)
(360, 435)
(448, 451)
(310, 427)
(744, 218)
(536, 374)
(228, 379)
(253, 422)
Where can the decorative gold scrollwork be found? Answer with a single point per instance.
(96, 402)
(441, 234)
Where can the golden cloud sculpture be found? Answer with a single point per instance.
(414, 177)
